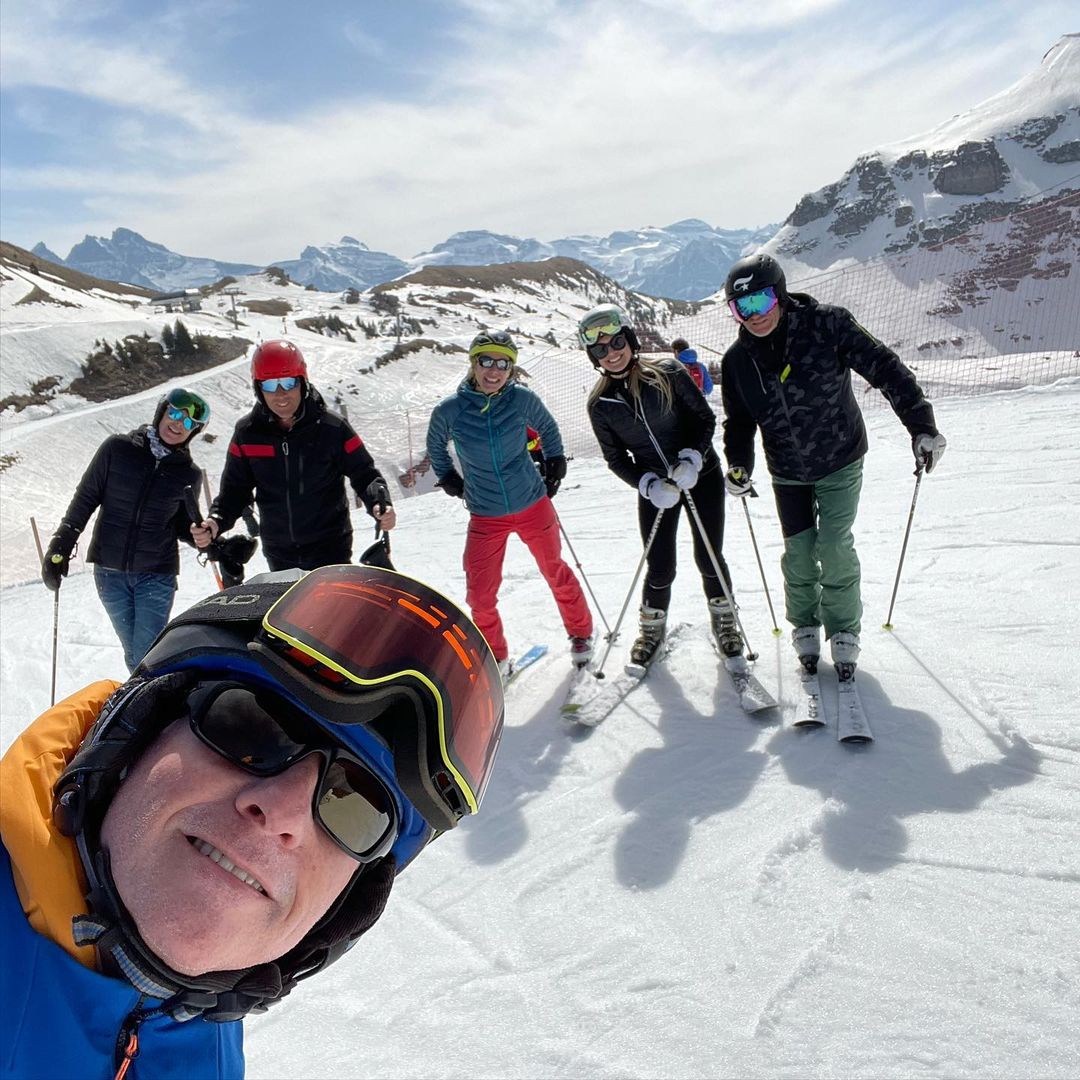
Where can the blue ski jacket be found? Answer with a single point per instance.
(490, 439)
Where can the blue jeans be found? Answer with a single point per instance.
(138, 606)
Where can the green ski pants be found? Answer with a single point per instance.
(820, 567)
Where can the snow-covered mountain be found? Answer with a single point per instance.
(981, 165)
(127, 256)
(348, 264)
(686, 260)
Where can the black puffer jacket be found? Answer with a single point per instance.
(641, 437)
(795, 385)
(141, 500)
(297, 477)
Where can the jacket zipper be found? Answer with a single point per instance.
(133, 532)
(288, 493)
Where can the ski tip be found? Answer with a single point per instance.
(856, 740)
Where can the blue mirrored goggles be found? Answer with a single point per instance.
(272, 386)
(499, 363)
(179, 416)
(755, 303)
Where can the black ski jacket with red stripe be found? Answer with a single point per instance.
(297, 477)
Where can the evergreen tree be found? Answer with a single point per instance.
(182, 343)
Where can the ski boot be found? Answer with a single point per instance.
(807, 643)
(845, 654)
(725, 631)
(581, 650)
(650, 636)
(506, 669)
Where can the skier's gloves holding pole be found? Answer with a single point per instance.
(55, 565)
(661, 492)
(737, 482)
(377, 498)
(685, 473)
(928, 450)
(554, 472)
(452, 484)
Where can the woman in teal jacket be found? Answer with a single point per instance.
(486, 419)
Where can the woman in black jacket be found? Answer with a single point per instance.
(136, 483)
(655, 430)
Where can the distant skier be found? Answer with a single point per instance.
(294, 455)
(136, 483)
(487, 420)
(689, 359)
(655, 431)
(789, 375)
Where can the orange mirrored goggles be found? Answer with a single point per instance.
(365, 629)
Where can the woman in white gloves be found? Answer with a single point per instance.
(655, 430)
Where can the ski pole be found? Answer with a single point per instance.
(761, 569)
(55, 614)
(581, 571)
(599, 672)
(887, 625)
(191, 505)
(750, 654)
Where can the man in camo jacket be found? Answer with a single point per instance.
(789, 374)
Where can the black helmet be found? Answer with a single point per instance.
(416, 697)
(754, 273)
(494, 341)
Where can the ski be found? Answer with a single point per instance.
(589, 701)
(753, 697)
(810, 710)
(852, 725)
(525, 660)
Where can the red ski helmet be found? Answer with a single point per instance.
(277, 360)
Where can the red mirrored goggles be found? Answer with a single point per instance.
(361, 627)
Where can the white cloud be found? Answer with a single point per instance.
(546, 119)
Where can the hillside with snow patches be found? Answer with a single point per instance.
(980, 165)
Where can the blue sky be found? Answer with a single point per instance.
(244, 131)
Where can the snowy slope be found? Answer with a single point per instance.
(688, 892)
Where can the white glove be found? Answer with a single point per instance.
(929, 450)
(686, 471)
(662, 493)
(737, 482)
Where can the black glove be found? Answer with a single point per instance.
(554, 472)
(452, 484)
(377, 496)
(57, 559)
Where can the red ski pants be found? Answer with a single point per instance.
(485, 549)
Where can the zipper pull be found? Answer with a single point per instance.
(131, 1051)
(285, 447)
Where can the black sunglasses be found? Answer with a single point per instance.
(601, 349)
(350, 803)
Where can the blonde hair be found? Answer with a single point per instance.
(644, 372)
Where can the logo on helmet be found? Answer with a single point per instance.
(741, 283)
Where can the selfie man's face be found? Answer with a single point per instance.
(182, 818)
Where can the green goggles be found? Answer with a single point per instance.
(189, 409)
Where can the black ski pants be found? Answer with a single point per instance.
(708, 496)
